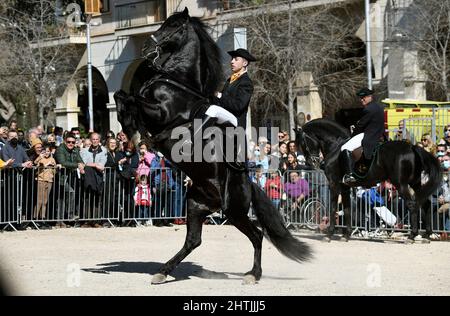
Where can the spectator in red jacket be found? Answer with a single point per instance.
(142, 198)
(273, 188)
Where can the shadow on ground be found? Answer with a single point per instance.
(184, 271)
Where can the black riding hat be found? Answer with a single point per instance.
(364, 92)
(240, 52)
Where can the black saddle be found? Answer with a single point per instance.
(362, 164)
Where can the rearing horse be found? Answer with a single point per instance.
(176, 94)
(404, 165)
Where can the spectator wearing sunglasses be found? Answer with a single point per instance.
(283, 136)
(428, 143)
(68, 155)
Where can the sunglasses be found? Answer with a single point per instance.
(70, 142)
(424, 139)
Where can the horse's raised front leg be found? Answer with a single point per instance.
(196, 215)
(346, 202)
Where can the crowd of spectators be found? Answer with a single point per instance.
(78, 175)
(69, 176)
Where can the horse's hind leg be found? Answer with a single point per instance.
(196, 215)
(334, 195)
(408, 195)
(427, 209)
(249, 229)
(347, 214)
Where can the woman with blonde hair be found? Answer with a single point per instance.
(428, 143)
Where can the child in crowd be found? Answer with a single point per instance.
(142, 197)
(45, 174)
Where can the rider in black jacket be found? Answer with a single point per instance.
(231, 105)
(367, 132)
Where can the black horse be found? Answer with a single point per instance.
(404, 165)
(177, 93)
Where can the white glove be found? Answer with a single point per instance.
(187, 181)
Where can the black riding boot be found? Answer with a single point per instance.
(238, 161)
(346, 161)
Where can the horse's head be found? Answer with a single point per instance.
(169, 37)
(310, 147)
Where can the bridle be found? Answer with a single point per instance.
(171, 80)
(314, 158)
(159, 43)
(167, 78)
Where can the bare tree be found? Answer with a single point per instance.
(35, 68)
(315, 40)
(427, 29)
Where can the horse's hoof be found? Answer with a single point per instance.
(409, 241)
(344, 239)
(249, 279)
(159, 278)
(326, 239)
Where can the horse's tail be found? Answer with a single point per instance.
(275, 230)
(433, 170)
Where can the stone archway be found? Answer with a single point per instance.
(100, 100)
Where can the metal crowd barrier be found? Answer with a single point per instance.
(69, 198)
(64, 196)
(378, 210)
(434, 124)
(271, 182)
(10, 194)
(168, 197)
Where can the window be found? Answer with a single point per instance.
(104, 8)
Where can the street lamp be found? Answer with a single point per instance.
(368, 44)
(88, 25)
(74, 19)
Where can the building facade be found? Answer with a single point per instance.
(125, 24)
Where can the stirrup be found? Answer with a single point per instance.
(349, 179)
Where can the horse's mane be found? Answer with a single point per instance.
(329, 126)
(210, 55)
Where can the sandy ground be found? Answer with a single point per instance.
(120, 261)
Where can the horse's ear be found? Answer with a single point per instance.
(186, 12)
